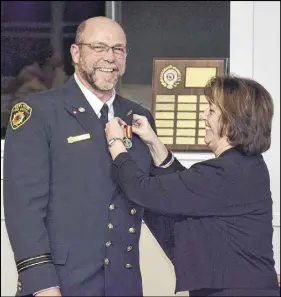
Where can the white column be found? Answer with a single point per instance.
(241, 37)
(266, 70)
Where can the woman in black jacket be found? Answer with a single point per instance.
(221, 241)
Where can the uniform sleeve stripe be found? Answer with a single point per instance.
(34, 261)
(33, 258)
(30, 265)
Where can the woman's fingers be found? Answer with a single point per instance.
(120, 122)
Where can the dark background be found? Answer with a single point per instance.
(15, 51)
(181, 29)
(154, 29)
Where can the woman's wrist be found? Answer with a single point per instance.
(153, 141)
(158, 151)
(116, 148)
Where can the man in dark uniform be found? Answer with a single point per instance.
(71, 230)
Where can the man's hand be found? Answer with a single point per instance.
(50, 292)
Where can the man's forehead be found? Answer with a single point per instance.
(105, 34)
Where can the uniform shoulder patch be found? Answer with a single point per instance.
(20, 114)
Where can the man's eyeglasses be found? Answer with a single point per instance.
(119, 51)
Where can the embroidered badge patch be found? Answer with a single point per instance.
(20, 114)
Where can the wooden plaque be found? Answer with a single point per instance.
(178, 99)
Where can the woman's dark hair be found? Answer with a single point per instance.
(247, 111)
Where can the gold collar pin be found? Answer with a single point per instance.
(81, 109)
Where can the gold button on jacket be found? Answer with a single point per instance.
(132, 230)
(19, 286)
(106, 261)
(133, 211)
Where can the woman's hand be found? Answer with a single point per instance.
(142, 128)
(115, 129)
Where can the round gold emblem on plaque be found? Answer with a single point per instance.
(170, 77)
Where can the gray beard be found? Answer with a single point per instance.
(89, 78)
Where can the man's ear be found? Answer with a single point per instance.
(75, 53)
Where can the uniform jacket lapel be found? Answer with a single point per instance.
(74, 99)
(121, 109)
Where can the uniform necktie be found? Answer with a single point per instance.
(104, 115)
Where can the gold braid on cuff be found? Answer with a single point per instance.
(33, 261)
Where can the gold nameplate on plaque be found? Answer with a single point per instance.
(197, 77)
(178, 99)
(77, 138)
